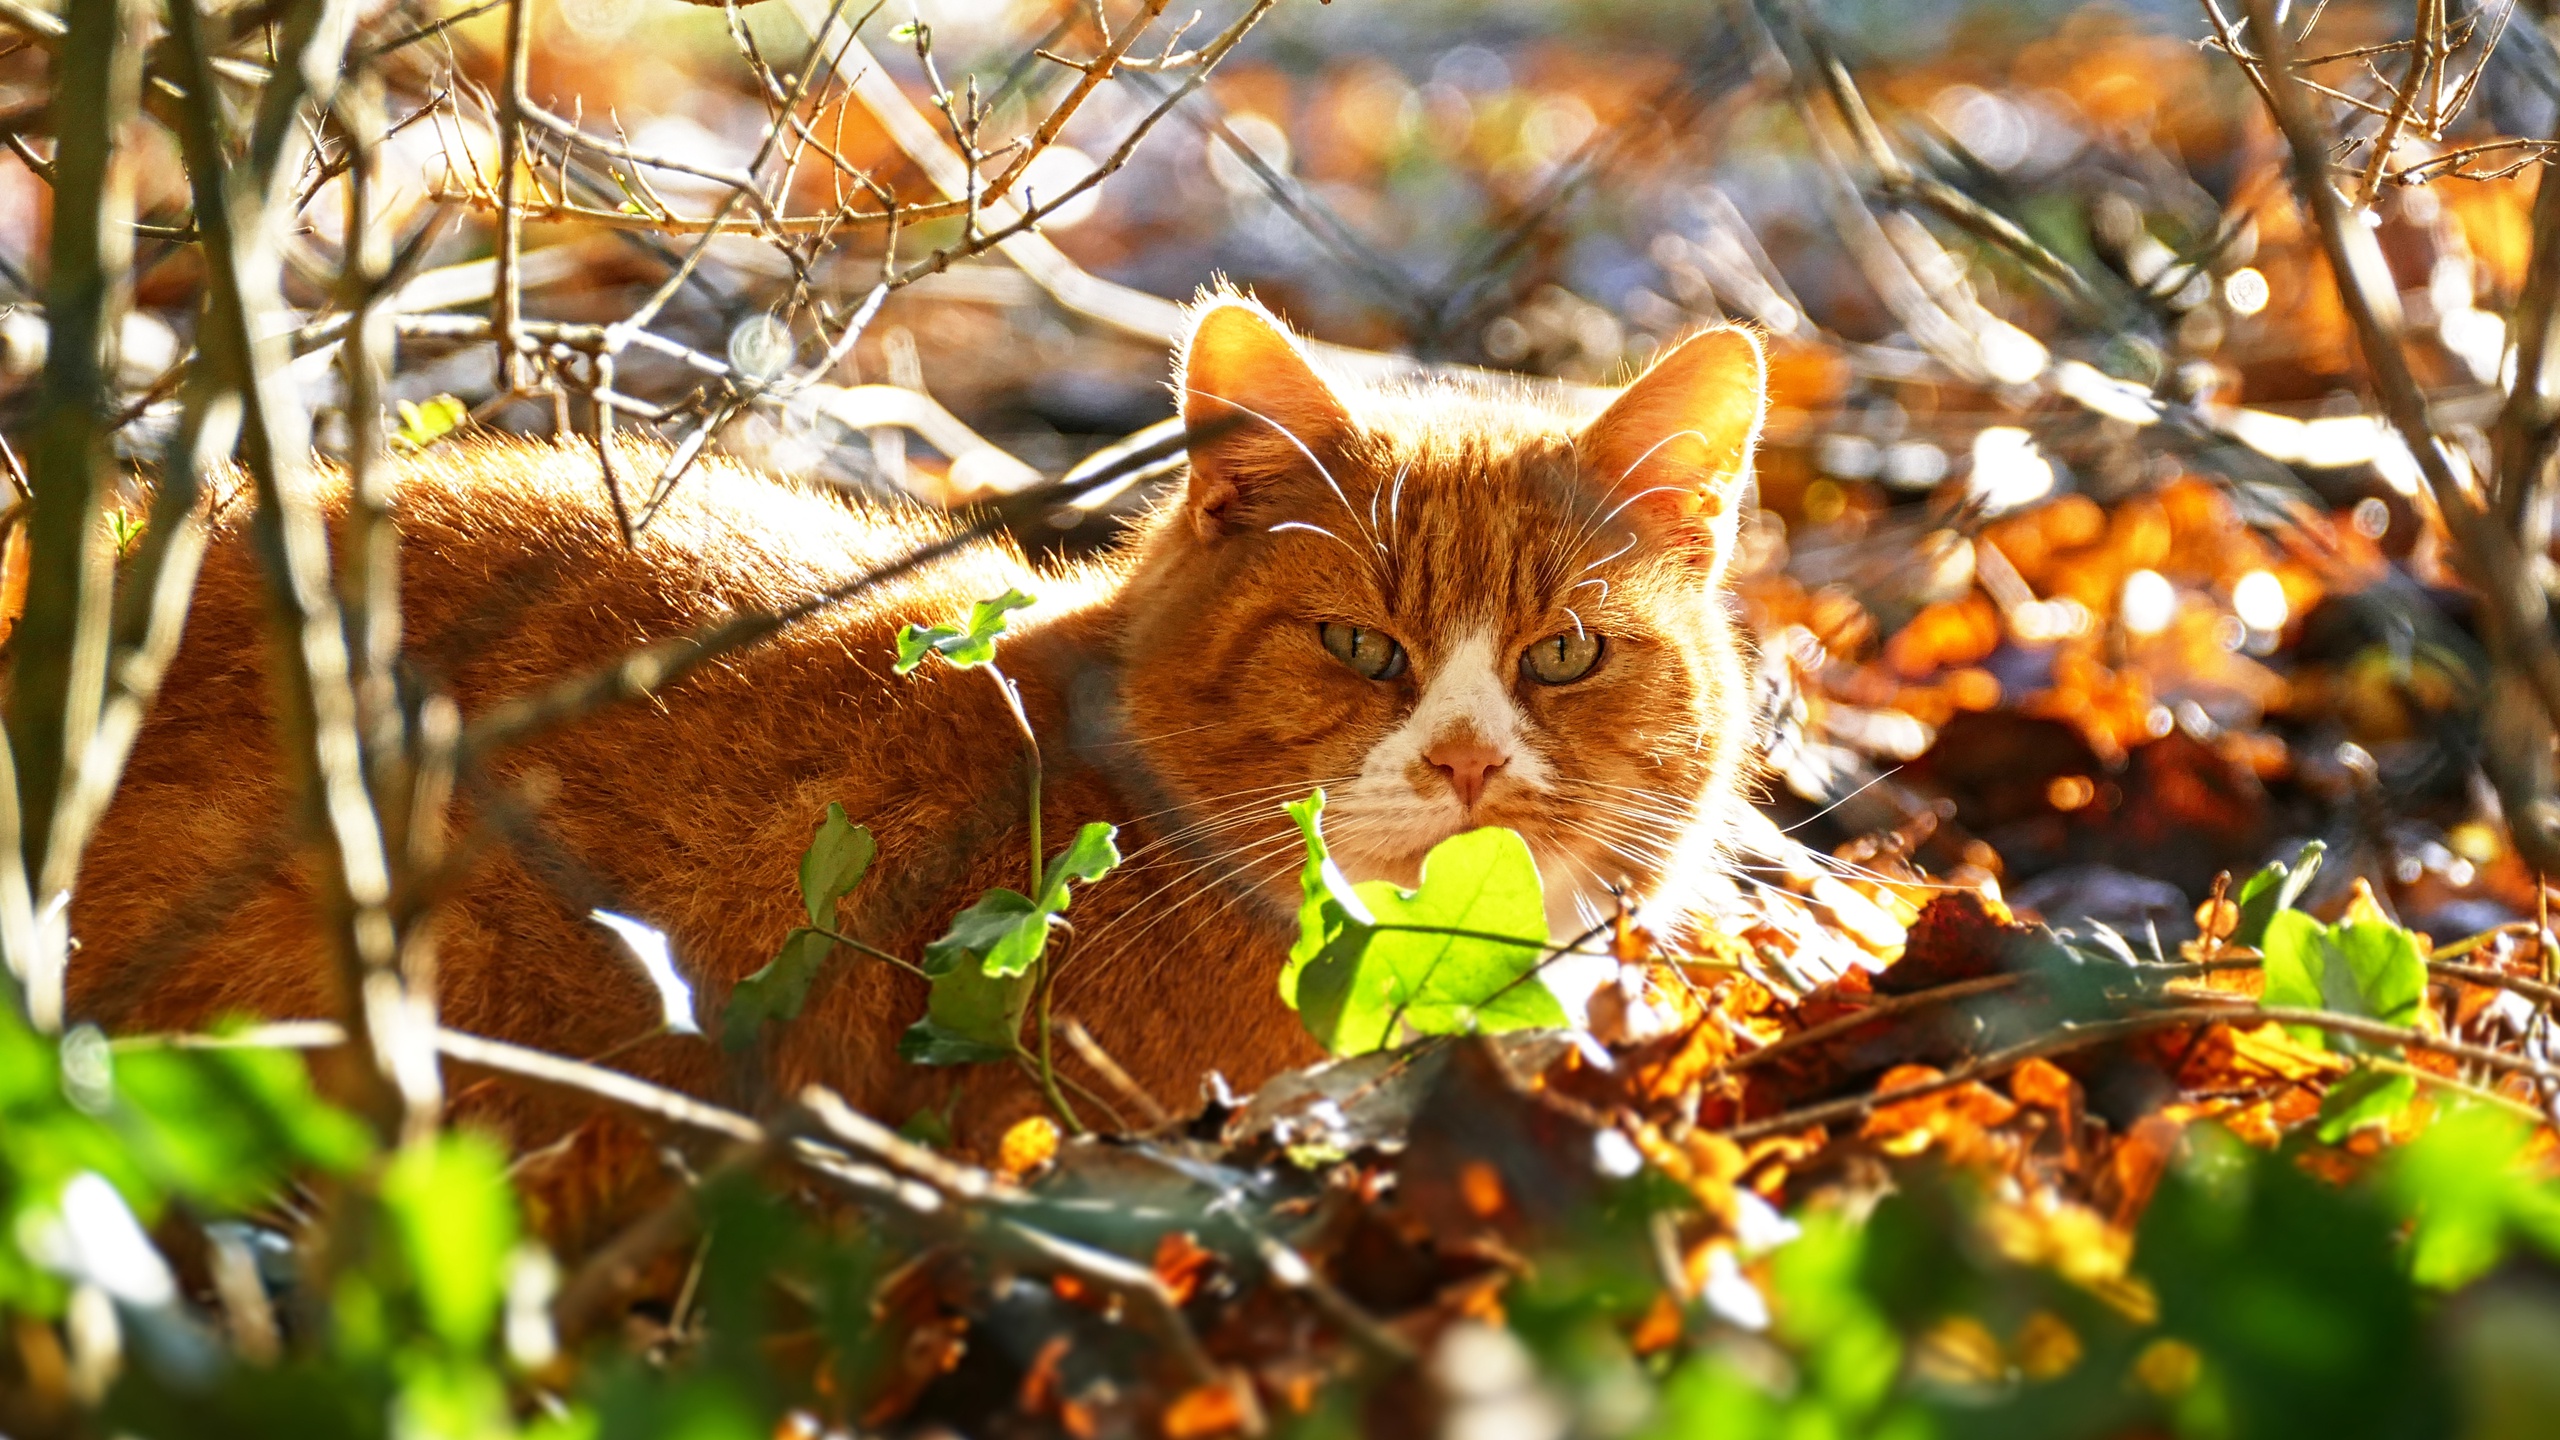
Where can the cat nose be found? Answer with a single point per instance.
(1468, 762)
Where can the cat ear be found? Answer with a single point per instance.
(1678, 441)
(1245, 378)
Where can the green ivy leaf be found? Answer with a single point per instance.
(2461, 1184)
(2272, 890)
(421, 425)
(835, 862)
(2364, 968)
(839, 855)
(455, 1219)
(1006, 930)
(972, 1018)
(1380, 960)
(776, 992)
(998, 922)
(1328, 905)
(224, 1126)
(2366, 1097)
(1093, 854)
(981, 967)
(964, 645)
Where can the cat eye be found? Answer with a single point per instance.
(1561, 659)
(1372, 653)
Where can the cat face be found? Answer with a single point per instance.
(1448, 606)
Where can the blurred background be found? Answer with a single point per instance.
(2080, 571)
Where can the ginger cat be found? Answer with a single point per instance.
(1449, 605)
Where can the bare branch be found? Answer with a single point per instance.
(2515, 608)
(508, 299)
(61, 639)
(246, 353)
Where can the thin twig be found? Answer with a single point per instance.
(1087, 1049)
(653, 667)
(2515, 609)
(508, 296)
(1884, 1006)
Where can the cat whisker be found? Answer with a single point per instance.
(1235, 861)
(1615, 847)
(1234, 857)
(1292, 437)
(1629, 473)
(1320, 530)
(1612, 555)
(1209, 827)
(1843, 800)
(1230, 804)
(1153, 739)
(1232, 809)
(1603, 584)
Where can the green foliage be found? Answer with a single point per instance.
(455, 1217)
(966, 645)
(2366, 1097)
(1846, 1357)
(835, 862)
(2469, 1197)
(779, 990)
(1005, 931)
(2286, 1305)
(2365, 968)
(982, 967)
(125, 529)
(1457, 954)
(214, 1128)
(423, 425)
(2273, 890)
(2291, 1292)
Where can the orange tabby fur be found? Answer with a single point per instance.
(1180, 689)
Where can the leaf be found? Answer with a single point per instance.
(972, 1018)
(2365, 968)
(224, 1126)
(837, 859)
(964, 646)
(2462, 1184)
(1379, 960)
(997, 921)
(455, 1219)
(1090, 856)
(2389, 966)
(2366, 1097)
(1007, 930)
(648, 945)
(839, 855)
(423, 425)
(776, 992)
(124, 530)
(2272, 890)
(1329, 904)
(981, 967)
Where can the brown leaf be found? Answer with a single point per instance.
(1180, 1263)
(1954, 1119)
(1205, 1410)
(1957, 937)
